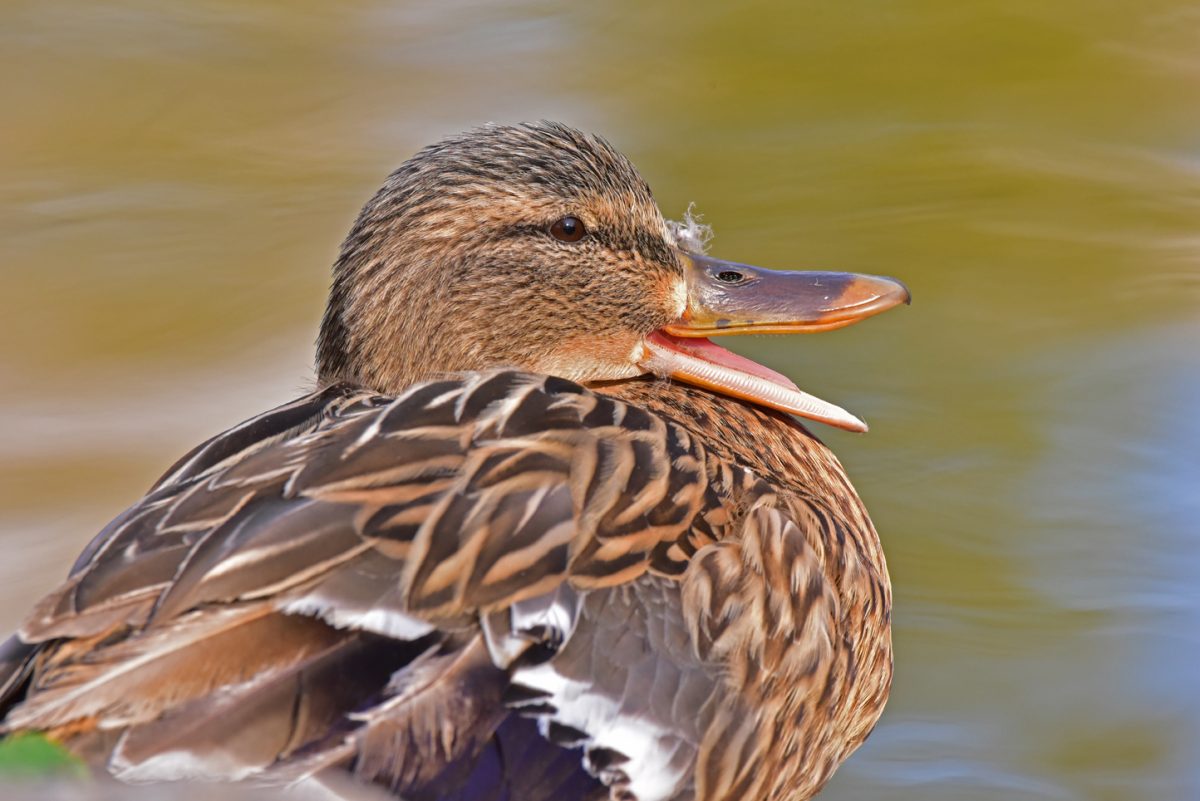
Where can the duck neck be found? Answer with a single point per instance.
(774, 445)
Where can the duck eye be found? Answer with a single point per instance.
(568, 229)
(729, 276)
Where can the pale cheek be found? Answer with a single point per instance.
(593, 359)
(680, 297)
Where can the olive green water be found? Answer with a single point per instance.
(175, 177)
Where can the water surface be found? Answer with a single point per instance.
(174, 180)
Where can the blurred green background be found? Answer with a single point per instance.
(175, 178)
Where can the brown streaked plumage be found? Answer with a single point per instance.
(490, 557)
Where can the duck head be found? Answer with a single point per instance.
(540, 247)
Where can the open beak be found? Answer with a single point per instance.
(728, 298)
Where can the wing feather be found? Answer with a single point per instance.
(471, 516)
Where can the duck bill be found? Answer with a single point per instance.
(725, 298)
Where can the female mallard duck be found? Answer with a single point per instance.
(533, 537)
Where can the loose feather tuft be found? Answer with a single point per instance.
(691, 234)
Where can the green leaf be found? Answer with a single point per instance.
(26, 756)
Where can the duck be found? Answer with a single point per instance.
(532, 535)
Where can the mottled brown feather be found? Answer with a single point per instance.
(370, 578)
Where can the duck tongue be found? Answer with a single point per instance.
(699, 361)
(709, 351)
